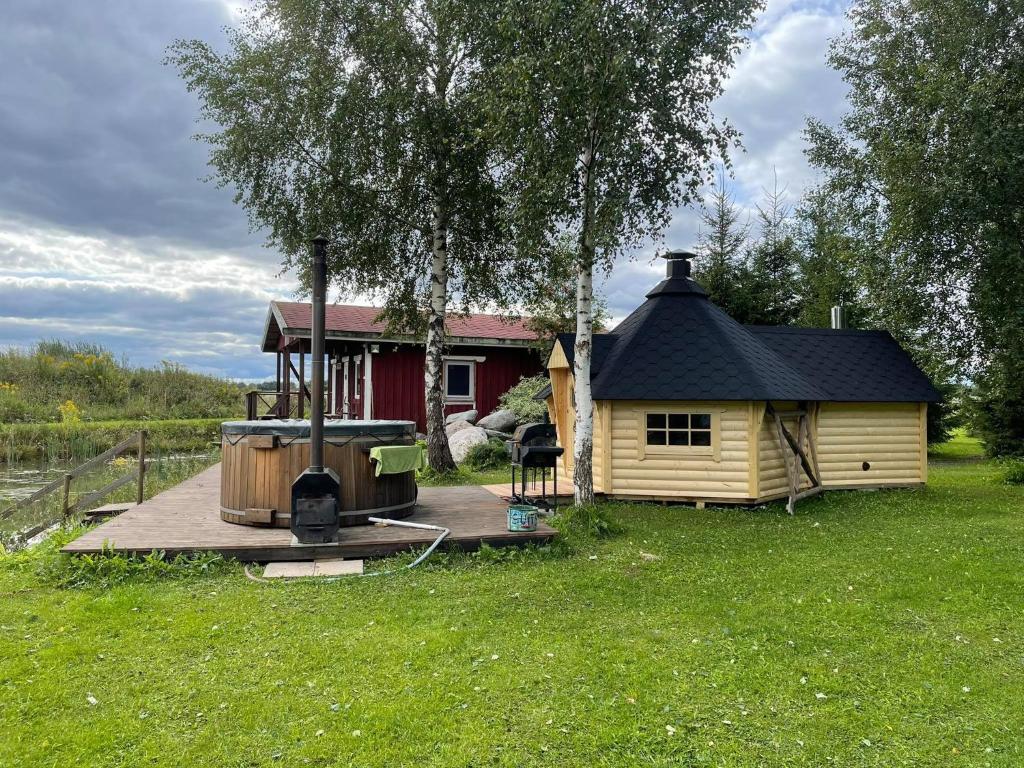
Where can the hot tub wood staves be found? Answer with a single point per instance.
(261, 459)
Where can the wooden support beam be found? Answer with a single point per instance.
(286, 388)
(302, 384)
(796, 448)
(303, 389)
(140, 490)
(796, 452)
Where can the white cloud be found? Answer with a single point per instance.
(149, 299)
(106, 233)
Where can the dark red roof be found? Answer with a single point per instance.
(347, 318)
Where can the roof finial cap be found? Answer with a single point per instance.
(678, 263)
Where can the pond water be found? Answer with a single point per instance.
(20, 480)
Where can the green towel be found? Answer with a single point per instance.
(395, 459)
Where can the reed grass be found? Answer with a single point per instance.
(52, 443)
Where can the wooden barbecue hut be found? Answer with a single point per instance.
(690, 405)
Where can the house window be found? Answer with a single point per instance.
(458, 380)
(679, 430)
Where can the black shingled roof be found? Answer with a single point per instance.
(678, 345)
(851, 366)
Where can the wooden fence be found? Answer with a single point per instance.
(86, 500)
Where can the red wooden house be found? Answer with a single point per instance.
(374, 375)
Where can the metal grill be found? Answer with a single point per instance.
(533, 448)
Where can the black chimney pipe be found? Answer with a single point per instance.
(316, 493)
(678, 263)
(316, 416)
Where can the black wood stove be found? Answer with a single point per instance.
(316, 493)
(533, 448)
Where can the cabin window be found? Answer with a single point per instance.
(670, 432)
(458, 380)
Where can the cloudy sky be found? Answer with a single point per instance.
(109, 234)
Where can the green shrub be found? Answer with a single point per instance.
(1013, 471)
(108, 568)
(590, 521)
(12, 407)
(520, 400)
(998, 408)
(489, 455)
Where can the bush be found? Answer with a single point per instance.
(12, 407)
(108, 568)
(489, 455)
(590, 521)
(1013, 471)
(520, 400)
(998, 409)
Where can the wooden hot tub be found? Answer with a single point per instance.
(261, 459)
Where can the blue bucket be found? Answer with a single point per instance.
(522, 517)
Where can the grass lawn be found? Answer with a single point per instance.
(872, 629)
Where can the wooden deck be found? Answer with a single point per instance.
(186, 519)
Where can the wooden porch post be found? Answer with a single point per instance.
(286, 385)
(302, 383)
(329, 407)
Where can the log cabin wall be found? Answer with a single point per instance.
(720, 473)
(891, 438)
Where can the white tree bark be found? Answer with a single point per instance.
(583, 445)
(439, 455)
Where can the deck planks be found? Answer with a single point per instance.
(186, 519)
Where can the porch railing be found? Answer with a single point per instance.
(50, 516)
(263, 404)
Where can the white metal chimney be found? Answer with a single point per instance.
(838, 317)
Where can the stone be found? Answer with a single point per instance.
(457, 426)
(497, 434)
(500, 421)
(463, 440)
(288, 570)
(337, 567)
(469, 416)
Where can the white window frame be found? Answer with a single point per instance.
(471, 362)
(713, 451)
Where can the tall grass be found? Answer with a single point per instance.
(70, 442)
(37, 386)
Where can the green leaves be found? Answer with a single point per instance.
(925, 163)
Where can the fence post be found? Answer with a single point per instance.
(67, 497)
(142, 465)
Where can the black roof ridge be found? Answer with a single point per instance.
(817, 331)
(752, 372)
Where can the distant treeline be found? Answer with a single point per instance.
(76, 382)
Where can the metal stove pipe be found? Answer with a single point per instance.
(318, 331)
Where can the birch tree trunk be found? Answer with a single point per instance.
(439, 455)
(583, 445)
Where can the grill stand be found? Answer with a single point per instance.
(550, 507)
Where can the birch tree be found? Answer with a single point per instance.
(358, 119)
(604, 110)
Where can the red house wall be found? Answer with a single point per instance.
(398, 379)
